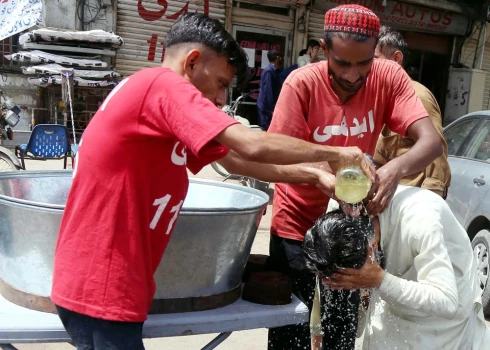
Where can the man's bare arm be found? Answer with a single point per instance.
(262, 147)
(315, 174)
(427, 147)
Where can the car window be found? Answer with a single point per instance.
(456, 135)
(479, 145)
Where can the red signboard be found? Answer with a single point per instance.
(408, 16)
(154, 15)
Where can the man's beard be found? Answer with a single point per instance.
(346, 85)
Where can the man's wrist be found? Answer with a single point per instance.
(380, 277)
(331, 154)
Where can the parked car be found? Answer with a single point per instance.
(468, 140)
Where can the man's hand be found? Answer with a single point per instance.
(369, 275)
(383, 189)
(326, 183)
(354, 156)
(314, 54)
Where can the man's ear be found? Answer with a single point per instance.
(323, 44)
(190, 62)
(397, 56)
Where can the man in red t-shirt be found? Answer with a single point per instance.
(344, 101)
(130, 179)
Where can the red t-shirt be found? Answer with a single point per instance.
(129, 185)
(308, 109)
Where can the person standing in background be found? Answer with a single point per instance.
(437, 176)
(270, 85)
(311, 55)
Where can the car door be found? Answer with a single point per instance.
(470, 166)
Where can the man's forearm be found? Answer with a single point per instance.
(264, 147)
(426, 149)
(421, 297)
(297, 173)
(279, 149)
(419, 157)
(270, 148)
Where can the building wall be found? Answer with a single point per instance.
(56, 14)
(59, 14)
(475, 54)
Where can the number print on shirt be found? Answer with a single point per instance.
(113, 92)
(175, 209)
(162, 204)
(176, 159)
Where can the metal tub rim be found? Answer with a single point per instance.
(186, 210)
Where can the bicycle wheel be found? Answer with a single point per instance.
(219, 169)
(6, 164)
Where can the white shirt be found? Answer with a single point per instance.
(430, 297)
(303, 60)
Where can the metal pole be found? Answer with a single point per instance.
(217, 341)
(483, 44)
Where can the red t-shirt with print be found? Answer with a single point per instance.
(309, 109)
(129, 184)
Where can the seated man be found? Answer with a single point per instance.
(429, 296)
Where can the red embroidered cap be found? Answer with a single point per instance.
(352, 19)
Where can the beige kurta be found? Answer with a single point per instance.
(437, 176)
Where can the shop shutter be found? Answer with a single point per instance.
(143, 38)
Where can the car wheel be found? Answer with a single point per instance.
(481, 250)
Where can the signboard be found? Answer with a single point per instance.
(18, 15)
(408, 16)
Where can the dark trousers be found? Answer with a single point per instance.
(339, 308)
(88, 333)
(264, 118)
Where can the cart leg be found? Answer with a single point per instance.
(217, 341)
(7, 347)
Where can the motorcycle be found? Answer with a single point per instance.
(9, 118)
(244, 180)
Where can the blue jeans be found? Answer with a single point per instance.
(88, 333)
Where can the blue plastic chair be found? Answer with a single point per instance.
(47, 141)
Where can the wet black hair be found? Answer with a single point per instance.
(272, 55)
(336, 241)
(199, 28)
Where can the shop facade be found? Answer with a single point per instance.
(430, 33)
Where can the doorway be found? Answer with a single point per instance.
(257, 41)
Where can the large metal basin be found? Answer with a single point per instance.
(206, 255)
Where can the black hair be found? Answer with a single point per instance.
(272, 55)
(198, 28)
(303, 52)
(312, 43)
(329, 35)
(391, 40)
(336, 241)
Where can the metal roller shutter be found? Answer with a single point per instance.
(143, 38)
